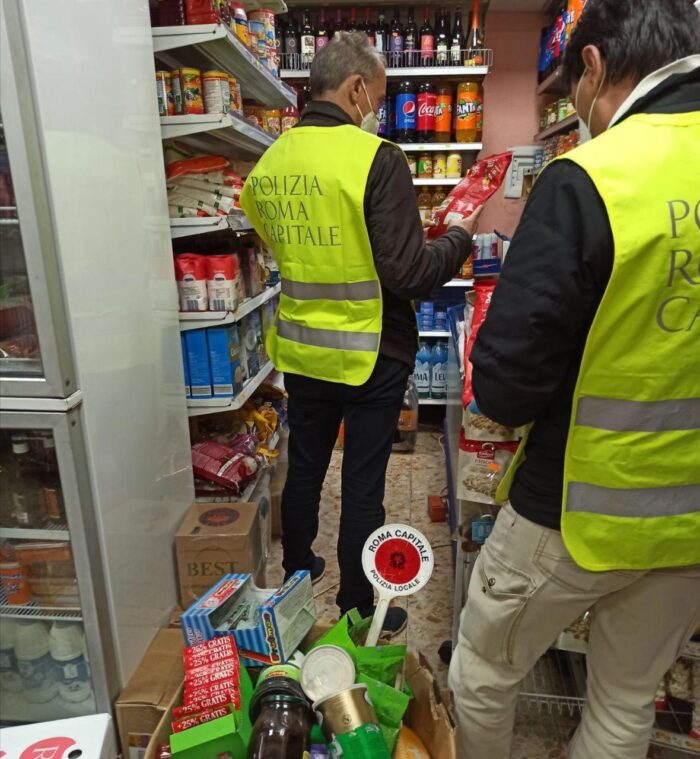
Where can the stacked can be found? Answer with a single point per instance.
(263, 23)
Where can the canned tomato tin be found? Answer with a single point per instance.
(177, 91)
(235, 95)
(191, 82)
(425, 166)
(439, 165)
(213, 91)
(165, 93)
(454, 166)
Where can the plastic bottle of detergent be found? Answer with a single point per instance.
(438, 387)
(423, 373)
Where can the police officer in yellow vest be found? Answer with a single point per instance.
(336, 205)
(593, 341)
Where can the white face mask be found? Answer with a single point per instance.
(584, 127)
(370, 121)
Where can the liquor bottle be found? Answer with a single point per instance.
(427, 40)
(442, 38)
(411, 40)
(475, 43)
(291, 44)
(457, 41)
(396, 41)
(322, 32)
(352, 24)
(381, 35)
(368, 27)
(308, 41)
(338, 25)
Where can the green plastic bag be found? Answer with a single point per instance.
(390, 706)
(381, 663)
(339, 635)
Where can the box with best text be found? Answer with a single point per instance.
(268, 625)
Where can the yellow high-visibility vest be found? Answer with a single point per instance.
(305, 198)
(632, 467)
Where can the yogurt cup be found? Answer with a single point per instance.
(326, 670)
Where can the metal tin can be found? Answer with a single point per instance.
(240, 20)
(272, 121)
(214, 92)
(272, 60)
(166, 106)
(236, 104)
(191, 82)
(254, 113)
(178, 103)
(454, 166)
(562, 109)
(412, 163)
(425, 166)
(267, 19)
(256, 32)
(439, 165)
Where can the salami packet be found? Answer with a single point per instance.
(219, 463)
(479, 184)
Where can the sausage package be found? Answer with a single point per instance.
(479, 184)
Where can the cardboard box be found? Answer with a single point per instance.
(198, 363)
(227, 373)
(149, 692)
(218, 539)
(91, 737)
(268, 625)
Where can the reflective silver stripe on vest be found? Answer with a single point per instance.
(633, 502)
(328, 338)
(340, 291)
(639, 416)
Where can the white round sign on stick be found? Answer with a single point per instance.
(398, 561)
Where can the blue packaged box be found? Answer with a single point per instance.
(198, 363)
(225, 361)
(185, 366)
(267, 625)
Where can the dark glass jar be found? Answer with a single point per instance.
(282, 728)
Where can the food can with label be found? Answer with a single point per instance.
(439, 165)
(166, 106)
(213, 91)
(191, 82)
(267, 19)
(454, 166)
(235, 95)
(178, 103)
(256, 33)
(412, 163)
(425, 166)
(273, 121)
(254, 113)
(272, 60)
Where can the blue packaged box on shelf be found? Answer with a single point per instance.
(487, 267)
(225, 359)
(185, 366)
(198, 363)
(267, 625)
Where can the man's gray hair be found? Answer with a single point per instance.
(340, 58)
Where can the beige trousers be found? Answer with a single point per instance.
(525, 589)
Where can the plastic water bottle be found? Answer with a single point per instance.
(438, 387)
(423, 372)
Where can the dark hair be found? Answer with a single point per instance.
(635, 37)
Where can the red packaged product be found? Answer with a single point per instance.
(202, 12)
(212, 650)
(214, 670)
(483, 290)
(205, 704)
(203, 164)
(206, 678)
(191, 276)
(479, 184)
(199, 719)
(219, 463)
(202, 696)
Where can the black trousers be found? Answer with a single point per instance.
(371, 413)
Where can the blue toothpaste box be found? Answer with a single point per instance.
(268, 625)
(225, 360)
(198, 363)
(186, 366)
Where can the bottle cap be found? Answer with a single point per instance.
(326, 670)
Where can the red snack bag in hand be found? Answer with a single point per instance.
(483, 290)
(479, 184)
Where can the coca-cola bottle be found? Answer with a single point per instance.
(425, 120)
(396, 42)
(427, 40)
(411, 40)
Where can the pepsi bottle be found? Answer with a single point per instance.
(406, 113)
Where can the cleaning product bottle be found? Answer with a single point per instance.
(423, 371)
(438, 386)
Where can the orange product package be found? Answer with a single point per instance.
(203, 164)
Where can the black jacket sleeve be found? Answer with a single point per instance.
(552, 282)
(407, 265)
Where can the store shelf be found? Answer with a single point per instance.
(198, 225)
(58, 531)
(440, 147)
(408, 72)
(208, 130)
(203, 319)
(201, 406)
(432, 401)
(16, 708)
(31, 611)
(214, 46)
(552, 85)
(570, 122)
(460, 283)
(437, 182)
(689, 746)
(434, 333)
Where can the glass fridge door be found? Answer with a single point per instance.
(52, 628)
(35, 352)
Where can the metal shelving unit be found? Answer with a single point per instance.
(440, 147)
(451, 182)
(565, 125)
(552, 85)
(206, 132)
(434, 333)
(202, 406)
(202, 319)
(199, 225)
(32, 611)
(409, 72)
(56, 531)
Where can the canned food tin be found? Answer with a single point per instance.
(178, 103)
(166, 106)
(267, 19)
(454, 166)
(256, 32)
(235, 94)
(412, 163)
(272, 121)
(439, 165)
(214, 92)
(272, 60)
(240, 20)
(425, 166)
(191, 82)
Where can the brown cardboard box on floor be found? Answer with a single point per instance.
(149, 692)
(216, 539)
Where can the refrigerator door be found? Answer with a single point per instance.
(35, 352)
(55, 638)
